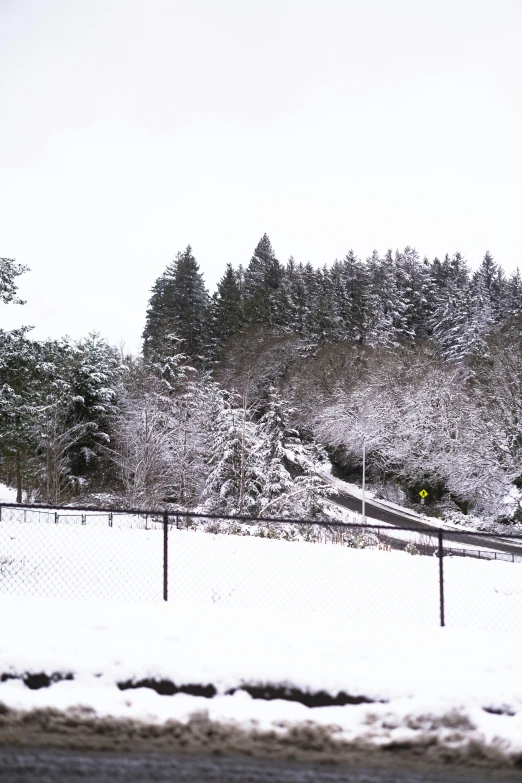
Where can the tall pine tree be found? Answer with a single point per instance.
(262, 279)
(227, 308)
(177, 308)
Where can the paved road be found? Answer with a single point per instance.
(399, 520)
(33, 765)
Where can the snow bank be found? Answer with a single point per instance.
(455, 690)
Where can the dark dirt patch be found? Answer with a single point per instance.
(500, 711)
(37, 680)
(168, 688)
(265, 692)
(314, 699)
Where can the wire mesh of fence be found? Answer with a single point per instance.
(63, 554)
(264, 564)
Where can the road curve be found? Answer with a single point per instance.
(382, 514)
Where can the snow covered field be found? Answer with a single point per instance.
(246, 612)
(94, 561)
(456, 691)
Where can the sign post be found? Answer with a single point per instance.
(423, 495)
(363, 504)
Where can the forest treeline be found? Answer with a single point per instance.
(238, 396)
(388, 300)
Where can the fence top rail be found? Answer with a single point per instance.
(173, 515)
(79, 514)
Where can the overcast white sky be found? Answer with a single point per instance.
(131, 128)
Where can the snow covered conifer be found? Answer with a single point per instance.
(513, 304)
(227, 307)
(235, 479)
(379, 301)
(297, 297)
(451, 309)
(177, 306)
(9, 271)
(95, 383)
(276, 478)
(413, 283)
(262, 279)
(18, 387)
(300, 495)
(352, 286)
(19, 397)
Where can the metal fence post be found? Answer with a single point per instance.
(441, 578)
(110, 519)
(165, 556)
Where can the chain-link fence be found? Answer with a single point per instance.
(357, 573)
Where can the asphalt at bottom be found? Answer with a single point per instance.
(41, 765)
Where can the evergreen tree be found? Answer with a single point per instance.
(302, 494)
(449, 320)
(379, 301)
(513, 300)
(262, 279)
(297, 298)
(412, 281)
(311, 298)
(271, 431)
(95, 379)
(235, 479)
(19, 400)
(352, 286)
(18, 387)
(190, 299)
(159, 323)
(489, 289)
(56, 429)
(227, 308)
(483, 305)
(326, 325)
(280, 310)
(9, 271)
(177, 307)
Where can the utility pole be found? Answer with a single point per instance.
(364, 482)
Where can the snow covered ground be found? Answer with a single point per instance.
(246, 612)
(425, 687)
(7, 494)
(75, 561)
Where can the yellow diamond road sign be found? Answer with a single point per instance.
(423, 494)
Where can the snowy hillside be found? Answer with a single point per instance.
(415, 362)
